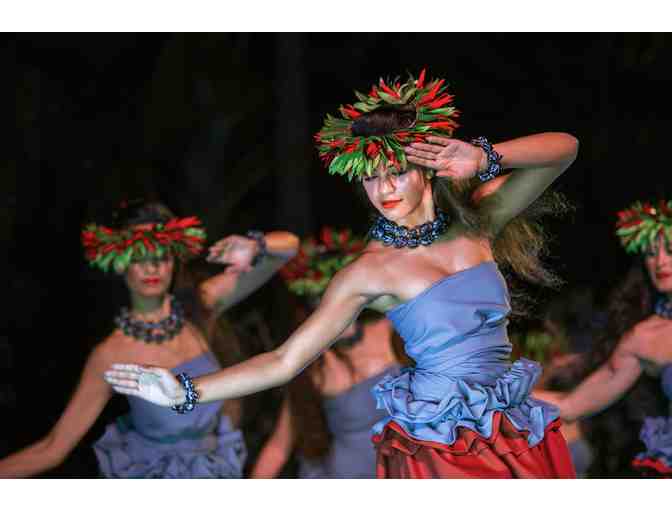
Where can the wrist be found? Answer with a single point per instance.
(190, 397)
(489, 164)
(180, 397)
(483, 163)
(258, 237)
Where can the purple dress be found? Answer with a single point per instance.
(350, 416)
(155, 442)
(455, 330)
(656, 434)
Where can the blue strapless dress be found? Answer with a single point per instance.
(350, 416)
(456, 332)
(656, 434)
(155, 442)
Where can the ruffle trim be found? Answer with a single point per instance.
(124, 453)
(505, 440)
(656, 434)
(466, 404)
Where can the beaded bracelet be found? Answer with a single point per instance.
(494, 157)
(190, 398)
(258, 236)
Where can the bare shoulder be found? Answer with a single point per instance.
(636, 339)
(365, 275)
(110, 349)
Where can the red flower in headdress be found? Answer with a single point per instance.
(421, 79)
(372, 149)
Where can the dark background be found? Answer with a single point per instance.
(221, 125)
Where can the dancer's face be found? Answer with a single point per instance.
(658, 261)
(399, 195)
(150, 276)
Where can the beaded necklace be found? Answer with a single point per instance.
(153, 332)
(399, 236)
(664, 308)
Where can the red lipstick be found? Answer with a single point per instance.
(389, 204)
(151, 281)
(663, 274)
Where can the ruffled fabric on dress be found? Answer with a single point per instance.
(218, 452)
(466, 404)
(656, 434)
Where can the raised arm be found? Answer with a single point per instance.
(240, 278)
(278, 448)
(340, 305)
(84, 407)
(537, 159)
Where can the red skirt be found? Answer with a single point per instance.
(506, 454)
(652, 468)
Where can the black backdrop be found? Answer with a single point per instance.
(220, 125)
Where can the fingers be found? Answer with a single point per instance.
(126, 391)
(419, 153)
(425, 147)
(428, 163)
(119, 381)
(131, 368)
(441, 140)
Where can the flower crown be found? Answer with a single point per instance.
(355, 156)
(640, 224)
(106, 246)
(315, 264)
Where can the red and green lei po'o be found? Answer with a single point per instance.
(640, 224)
(315, 264)
(105, 247)
(355, 156)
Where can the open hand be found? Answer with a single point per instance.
(449, 157)
(156, 385)
(237, 252)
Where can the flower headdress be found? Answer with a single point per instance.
(315, 264)
(105, 247)
(640, 224)
(354, 156)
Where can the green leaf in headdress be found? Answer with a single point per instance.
(104, 263)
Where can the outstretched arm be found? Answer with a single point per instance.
(340, 305)
(240, 278)
(277, 449)
(84, 407)
(602, 388)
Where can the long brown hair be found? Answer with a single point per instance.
(518, 248)
(614, 433)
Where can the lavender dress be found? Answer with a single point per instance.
(350, 416)
(156, 442)
(656, 434)
(455, 331)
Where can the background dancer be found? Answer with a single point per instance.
(328, 411)
(634, 359)
(145, 248)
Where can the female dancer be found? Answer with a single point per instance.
(638, 353)
(463, 410)
(150, 441)
(328, 412)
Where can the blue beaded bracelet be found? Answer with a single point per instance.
(190, 398)
(259, 237)
(494, 157)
